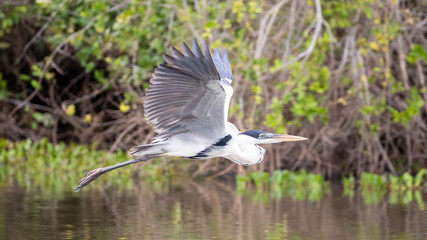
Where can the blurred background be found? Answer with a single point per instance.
(349, 75)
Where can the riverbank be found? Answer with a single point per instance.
(56, 169)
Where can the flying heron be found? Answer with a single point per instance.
(187, 101)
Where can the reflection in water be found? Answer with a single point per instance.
(209, 210)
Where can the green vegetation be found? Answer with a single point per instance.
(56, 169)
(48, 169)
(397, 189)
(349, 75)
(374, 188)
(260, 186)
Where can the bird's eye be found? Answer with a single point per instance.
(262, 135)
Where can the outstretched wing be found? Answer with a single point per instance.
(191, 92)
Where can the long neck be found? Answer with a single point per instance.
(245, 151)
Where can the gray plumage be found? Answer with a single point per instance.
(185, 93)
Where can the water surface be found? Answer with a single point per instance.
(210, 210)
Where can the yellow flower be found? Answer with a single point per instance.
(124, 108)
(374, 46)
(377, 20)
(88, 118)
(71, 110)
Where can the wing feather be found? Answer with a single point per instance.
(187, 92)
(186, 50)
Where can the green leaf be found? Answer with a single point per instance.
(36, 84)
(419, 177)
(417, 53)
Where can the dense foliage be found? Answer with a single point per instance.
(349, 75)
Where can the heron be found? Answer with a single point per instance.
(187, 101)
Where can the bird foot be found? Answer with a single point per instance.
(89, 177)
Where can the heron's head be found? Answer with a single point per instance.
(260, 137)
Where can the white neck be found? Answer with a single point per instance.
(244, 151)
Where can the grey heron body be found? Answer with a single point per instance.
(187, 101)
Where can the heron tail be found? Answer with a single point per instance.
(152, 148)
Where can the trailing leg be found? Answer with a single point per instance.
(94, 174)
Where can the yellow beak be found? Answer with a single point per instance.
(285, 138)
